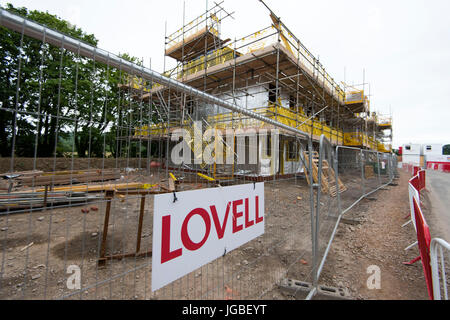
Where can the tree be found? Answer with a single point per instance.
(48, 93)
(38, 82)
(446, 150)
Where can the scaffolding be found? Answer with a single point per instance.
(269, 72)
(269, 83)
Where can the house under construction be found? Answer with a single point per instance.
(269, 72)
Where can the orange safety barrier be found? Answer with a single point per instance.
(439, 166)
(424, 241)
(415, 182)
(422, 180)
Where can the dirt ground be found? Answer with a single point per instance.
(435, 203)
(61, 164)
(379, 240)
(36, 249)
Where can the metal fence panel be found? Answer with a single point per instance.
(86, 155)
(353, 173)
(439, 254)
(327, 205)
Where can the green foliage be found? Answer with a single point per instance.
(64, 102)
(446, 150)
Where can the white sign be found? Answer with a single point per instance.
(201, 226)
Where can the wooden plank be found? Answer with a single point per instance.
(31, 173)
(369, 172)
(62, 178)
(328, 175)
(99, 188)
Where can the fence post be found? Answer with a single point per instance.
(317, 214)
(390, 167)
(361, 158)
(336, 168)
(379, 170)
(312, 212)
(441, 244)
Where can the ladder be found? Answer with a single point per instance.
(328, 175)
(220, 172)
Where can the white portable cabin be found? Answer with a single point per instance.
(435, 153)
(421, 154)
(411, 153)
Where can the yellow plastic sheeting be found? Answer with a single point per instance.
(280, 114)
(145, 131)
(139, 84)
(159, 128)
(383, 148)
(216, 57)
(358, 139)
(354, 139)
(354, 97)
(237, 121)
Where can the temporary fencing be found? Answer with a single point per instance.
(424, 240)
(435, 278)
(363, 172)
(83, 228)
(409, 167)
(415, 185)
(439, 166)
(327, 206)
(84, 231)
(440, 257)
(346, 176)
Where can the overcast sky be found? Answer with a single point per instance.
(403, 46)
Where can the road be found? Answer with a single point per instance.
(438, 187)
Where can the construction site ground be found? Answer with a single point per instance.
(436, 202)
(378, 240)
(248, 272)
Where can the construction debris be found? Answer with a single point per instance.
(328, 175)
(40, 178)
(369, 172)
(21, 200)
(102, 187)
(27, 246)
